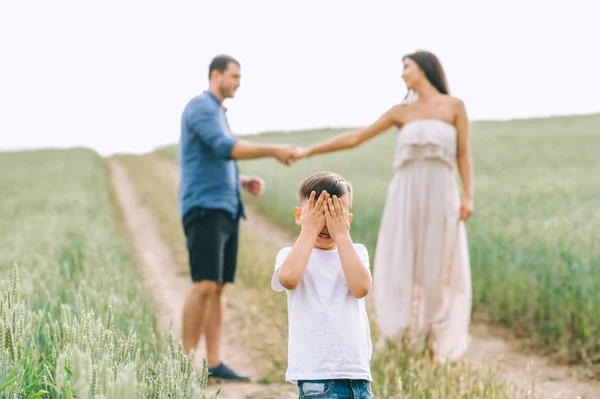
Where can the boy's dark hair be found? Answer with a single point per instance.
(220, 63)
(331, 182)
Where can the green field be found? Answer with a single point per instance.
(533, 236)
(262, 313)
(74, 318)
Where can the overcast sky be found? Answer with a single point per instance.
(115, 75)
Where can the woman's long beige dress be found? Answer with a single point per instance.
(422, 276)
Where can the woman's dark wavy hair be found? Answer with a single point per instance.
(432, 67)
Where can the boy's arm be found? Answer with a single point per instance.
(292, 270)
(356, 271)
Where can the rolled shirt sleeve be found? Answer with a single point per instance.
(205, 124)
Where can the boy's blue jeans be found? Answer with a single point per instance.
(335, 389)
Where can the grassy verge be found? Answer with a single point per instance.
(397, 373)
(533, 237)
(74, 318)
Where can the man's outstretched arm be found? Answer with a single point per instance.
(206, 126)
(243, 149)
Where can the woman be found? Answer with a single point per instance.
(422, 277)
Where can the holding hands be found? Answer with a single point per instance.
(289, 154)
(286, 154)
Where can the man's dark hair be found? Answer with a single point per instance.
(220, 63)
(331, 182)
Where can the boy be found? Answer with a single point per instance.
(326, 277)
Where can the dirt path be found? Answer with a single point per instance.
(169, 289)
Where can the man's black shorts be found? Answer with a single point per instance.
(212, 242)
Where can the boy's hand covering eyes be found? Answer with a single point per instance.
(313, 216)
(336, 218)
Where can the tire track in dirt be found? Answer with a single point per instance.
(156, 263)
(491, 348)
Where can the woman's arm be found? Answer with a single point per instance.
(464, 160)
(356, 137)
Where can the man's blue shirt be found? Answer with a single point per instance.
(209, 176)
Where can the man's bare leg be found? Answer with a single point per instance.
(214, 328)
(214, 334)
(195, 310)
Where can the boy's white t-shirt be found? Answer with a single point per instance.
(329, 333)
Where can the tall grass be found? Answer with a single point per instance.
(533, 237)
(397, 373)
(74, 318)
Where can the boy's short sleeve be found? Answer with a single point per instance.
(364, 255)
(275, 284)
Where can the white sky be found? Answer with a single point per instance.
(115, 75)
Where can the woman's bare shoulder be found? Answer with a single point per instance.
(400, 107)
(398, 113)
(456, 102)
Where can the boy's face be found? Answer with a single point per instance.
(324, 241)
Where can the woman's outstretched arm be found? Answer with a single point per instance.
(356, 137)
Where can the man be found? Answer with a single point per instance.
(211, 206)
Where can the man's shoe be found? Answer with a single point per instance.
(222, 372)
